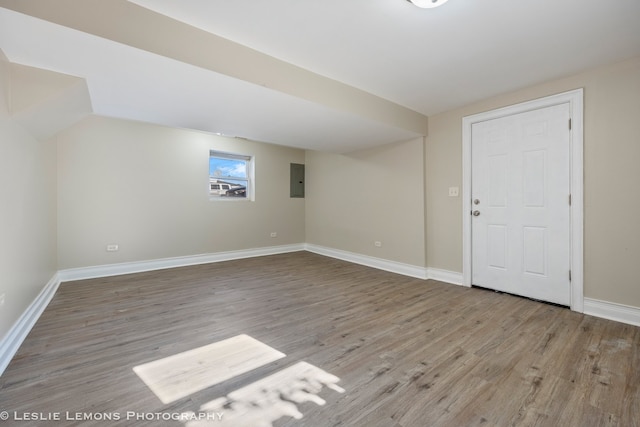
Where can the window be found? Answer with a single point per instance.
(230, 176)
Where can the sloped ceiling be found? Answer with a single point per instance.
(45, 102)
(328, 75)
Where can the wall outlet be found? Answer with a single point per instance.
(112, 248)
(377, 244)
(454, 191)
(274, 234)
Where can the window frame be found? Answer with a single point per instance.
(249, 179)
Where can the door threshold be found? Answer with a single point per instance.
(520, 296)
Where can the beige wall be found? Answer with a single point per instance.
(371, 195)
(145, 188)
(611, 169)
(27, 213)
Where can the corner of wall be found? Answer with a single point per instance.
(12, 341)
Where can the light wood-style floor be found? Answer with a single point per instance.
(407, 352)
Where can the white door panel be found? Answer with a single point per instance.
(520, 182)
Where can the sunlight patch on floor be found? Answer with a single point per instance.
(263, 402)
(183, 374)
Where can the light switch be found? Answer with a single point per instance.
(454, 192)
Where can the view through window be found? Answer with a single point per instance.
(229, 175)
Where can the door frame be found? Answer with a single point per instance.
(576, 105)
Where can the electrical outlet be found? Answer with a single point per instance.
(454, 191)
(377, 244)
(112, 248)
(274, 234)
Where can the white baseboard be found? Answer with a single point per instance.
(17, 334)
(612, 311)
(369, 261)
(160, 264)
(12, 341)
(452, 277)
(446, 276)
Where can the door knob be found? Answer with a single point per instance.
(476, 201)
(475, 213)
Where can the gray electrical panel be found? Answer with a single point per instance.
(297, 180)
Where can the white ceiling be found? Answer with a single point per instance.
(429, 60)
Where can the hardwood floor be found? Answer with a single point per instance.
(336, 344)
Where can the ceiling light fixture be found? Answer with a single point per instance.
(427, 4)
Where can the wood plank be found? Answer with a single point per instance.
(407, 352)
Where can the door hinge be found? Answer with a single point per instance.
(569, 199)
(569, 275)
(569, 124)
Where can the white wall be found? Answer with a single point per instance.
(145, 188)
(370, 195)
(27, 213)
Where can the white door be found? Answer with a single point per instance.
(520, 229)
